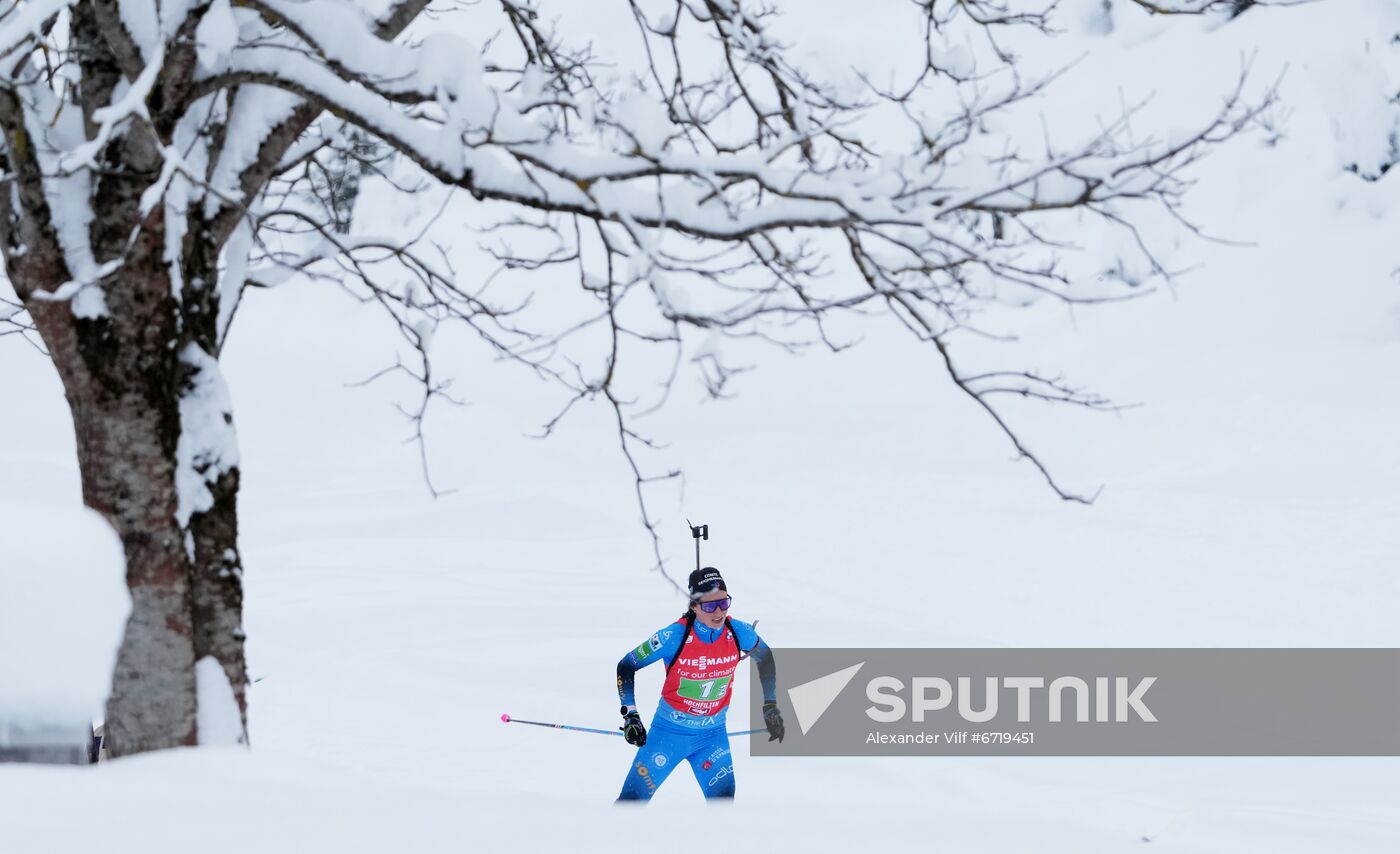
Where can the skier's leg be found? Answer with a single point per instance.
(653, 763)
(713, 764)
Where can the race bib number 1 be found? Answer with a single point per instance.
(703, 689)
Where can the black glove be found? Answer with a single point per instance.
(774, 721)
(632, 728)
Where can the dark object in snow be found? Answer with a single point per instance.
(97, 747)
(48, 744)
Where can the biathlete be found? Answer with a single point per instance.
(702, 650)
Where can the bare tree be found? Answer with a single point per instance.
(162, 158)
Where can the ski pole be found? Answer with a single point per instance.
(507, 719)
(510, 720)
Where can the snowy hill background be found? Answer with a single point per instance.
(854, 500)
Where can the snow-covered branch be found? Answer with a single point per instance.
(705, 181)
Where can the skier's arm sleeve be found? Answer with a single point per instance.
(767, 670)
(662, 645)
(626, 685)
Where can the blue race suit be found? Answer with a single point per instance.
(674, 735)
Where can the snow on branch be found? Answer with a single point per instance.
(703, 182)
(21, 22)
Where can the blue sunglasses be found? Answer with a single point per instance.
(722, 604)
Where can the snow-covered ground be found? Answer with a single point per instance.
(855, 500)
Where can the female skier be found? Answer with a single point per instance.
(702, 650)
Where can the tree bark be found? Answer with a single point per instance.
(217, 589)
(124, 380)
(131, 375)
(120, 378)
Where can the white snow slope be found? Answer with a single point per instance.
(855, 500)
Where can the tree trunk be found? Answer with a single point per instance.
(217, 588)
(125, 381)
(138, 365)
(119, 378)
